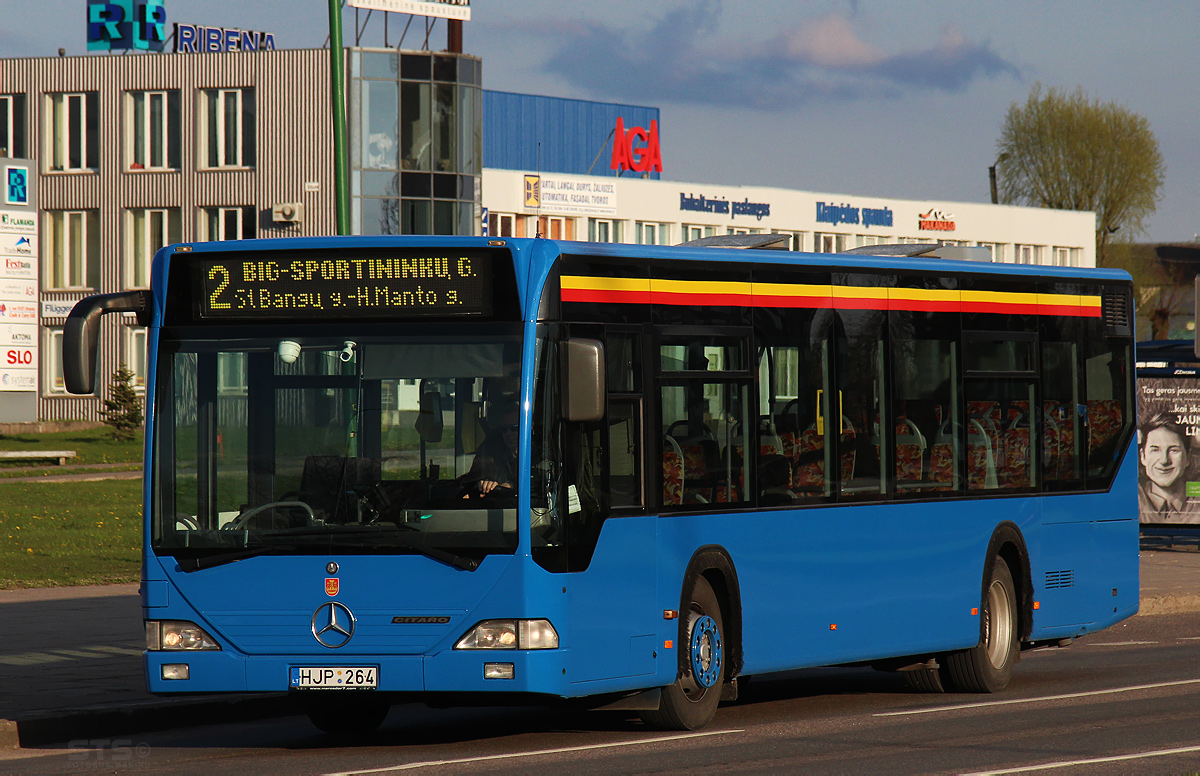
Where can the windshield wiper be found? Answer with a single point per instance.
(433, 553)
(209, 561)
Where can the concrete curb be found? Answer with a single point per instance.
(1169, 604)
(109, 721)
(9, 738)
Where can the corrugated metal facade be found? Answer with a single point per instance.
(571, 132)
(293, 147)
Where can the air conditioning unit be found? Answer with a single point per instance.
(287, 212)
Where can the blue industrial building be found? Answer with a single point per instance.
(575, 136)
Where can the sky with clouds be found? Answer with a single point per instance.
(903, 98)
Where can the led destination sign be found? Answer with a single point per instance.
(345, 285)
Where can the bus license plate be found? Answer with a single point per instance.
(334, 677)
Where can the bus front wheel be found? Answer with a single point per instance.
(691, 702)
(988, 666)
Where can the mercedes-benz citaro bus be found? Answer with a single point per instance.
(469, 470)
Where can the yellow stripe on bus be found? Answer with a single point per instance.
(605, 284)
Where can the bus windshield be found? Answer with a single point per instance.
(305, 444)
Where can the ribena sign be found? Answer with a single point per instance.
(645, 157)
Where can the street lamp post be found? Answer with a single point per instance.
(992, 178)
(337, 71)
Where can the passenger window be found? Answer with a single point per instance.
(853, 409)
(1061, 422)
(926, 446)
(1001, 435)
(1108, 414)
(797, 369)
(703, 432)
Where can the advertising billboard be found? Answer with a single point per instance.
(1168, 439)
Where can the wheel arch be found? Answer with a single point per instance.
(1008, 544)
(714, 563)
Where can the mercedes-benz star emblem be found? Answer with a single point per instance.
(331, 567)
(332, 625)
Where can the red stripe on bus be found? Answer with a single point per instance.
(925, 305)
(1003, 308)
(605, 296)
(823, 302)
(702, 300)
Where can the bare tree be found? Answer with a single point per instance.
(1162, 276)
(1069, 152)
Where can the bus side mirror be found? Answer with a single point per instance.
(82, 333)
(583, 379)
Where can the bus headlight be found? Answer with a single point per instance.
(177, 636)
(510, 634)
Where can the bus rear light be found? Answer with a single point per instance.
(510, 634)
(177, 636)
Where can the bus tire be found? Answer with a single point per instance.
(691, 702)
(350, 716)
(988, 665)
(924, 680)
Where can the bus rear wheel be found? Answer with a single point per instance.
(691, 702)
(988, 666)
(350, 715)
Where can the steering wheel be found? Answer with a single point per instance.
(241, 520)
(188, 522)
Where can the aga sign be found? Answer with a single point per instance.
(645, 156)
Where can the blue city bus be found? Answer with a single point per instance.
(470, 470)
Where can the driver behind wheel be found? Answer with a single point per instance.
(495, 464)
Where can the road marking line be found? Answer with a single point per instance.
(59, 655)
(561, 750)
(116, 650)
(1190, 638)
(1093, 761)
(75, 653)
(936, 709)
(1118, 643)
(31, 659)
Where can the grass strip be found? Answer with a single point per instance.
(56, 534)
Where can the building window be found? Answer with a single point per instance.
(556, 228)
(829, 243)
(653, 234)
(154, 130)
(227, 119)
(231, 374)
(73, 252)
(415, 126)
(1066, 257)
(743, 230)
(502, 225)
(53, 366)
(694, 232)
(227, 223)
(797, 239)
(150, 230)
(996, 250)
(12, 125)
(604, 230)
(1029, 254)
(74, 132)
(135, 356)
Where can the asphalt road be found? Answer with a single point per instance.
(1126, 700)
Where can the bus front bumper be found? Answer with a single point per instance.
(458, 671)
